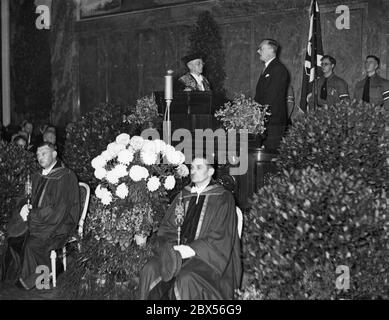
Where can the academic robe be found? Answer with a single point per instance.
(215, 270)
(188, 82)
(51, 221)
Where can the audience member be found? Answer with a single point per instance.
(20, 141)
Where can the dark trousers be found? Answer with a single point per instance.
(272, 137)
(11, 260)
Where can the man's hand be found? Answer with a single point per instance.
(185, 251)
(25, 211)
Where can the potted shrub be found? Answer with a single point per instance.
(243, 113)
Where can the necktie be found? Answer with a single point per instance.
(323, 91)
(366, 90)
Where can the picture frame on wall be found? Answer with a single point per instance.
(93, 8)
(96, 8)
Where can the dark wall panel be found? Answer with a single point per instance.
(237, 46)
(125, 57)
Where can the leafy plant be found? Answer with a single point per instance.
(145, 113)
(15, 164)
(353, 136)
(243, 113)
(305, 223)
(97, 128)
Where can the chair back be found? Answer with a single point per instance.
(84, 202)
(240, 221)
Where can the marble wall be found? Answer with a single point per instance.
(121, 57)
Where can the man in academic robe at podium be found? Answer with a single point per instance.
(194, 80)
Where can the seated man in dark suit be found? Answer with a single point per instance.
(45, 224)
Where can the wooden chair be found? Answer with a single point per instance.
(84, 197)
(240, 221)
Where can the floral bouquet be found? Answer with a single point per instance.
(135, 174)
(142, 218)
(145, 112)
(243, 113)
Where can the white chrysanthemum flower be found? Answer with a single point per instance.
(98, 162)
(107, 155)
(125, 156)
(112, 177)
(122, 191)
(175, 158)
(131, 149)
(170, 182)
(137, 173)
(182, 157)
(136, 142)
(148, 146)
(168, 149)
(160, 146)
(149, 158)
(120, 170)
(106, 198)
(100, 173)
(114, 148)
(182, 170)
(98, 191)
(123, 139)
(153, 184)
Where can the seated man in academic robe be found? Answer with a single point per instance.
(206, 265)
(45, 224)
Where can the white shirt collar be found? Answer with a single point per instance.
(199, 80)
(267, 63)
(45, 172)
(198, 190)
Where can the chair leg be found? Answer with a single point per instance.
(64, 258)
(53, 257)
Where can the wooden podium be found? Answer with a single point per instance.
(190, 110)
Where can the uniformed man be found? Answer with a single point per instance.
(331, 89)
(373, 89)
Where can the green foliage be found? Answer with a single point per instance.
(304, 224)
(327, 207)
(243, 113)
(205, 38)
(15, 164)
(353, 136)
(110, 262)
(93, 132)
(145, 114)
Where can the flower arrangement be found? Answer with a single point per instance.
(142, 218)
(243, 113)
(133, 173)
(145, 112)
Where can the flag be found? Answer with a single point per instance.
(313, 55)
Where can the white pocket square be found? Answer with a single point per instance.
(267, 75)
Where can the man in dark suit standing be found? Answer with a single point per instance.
(272, 89)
